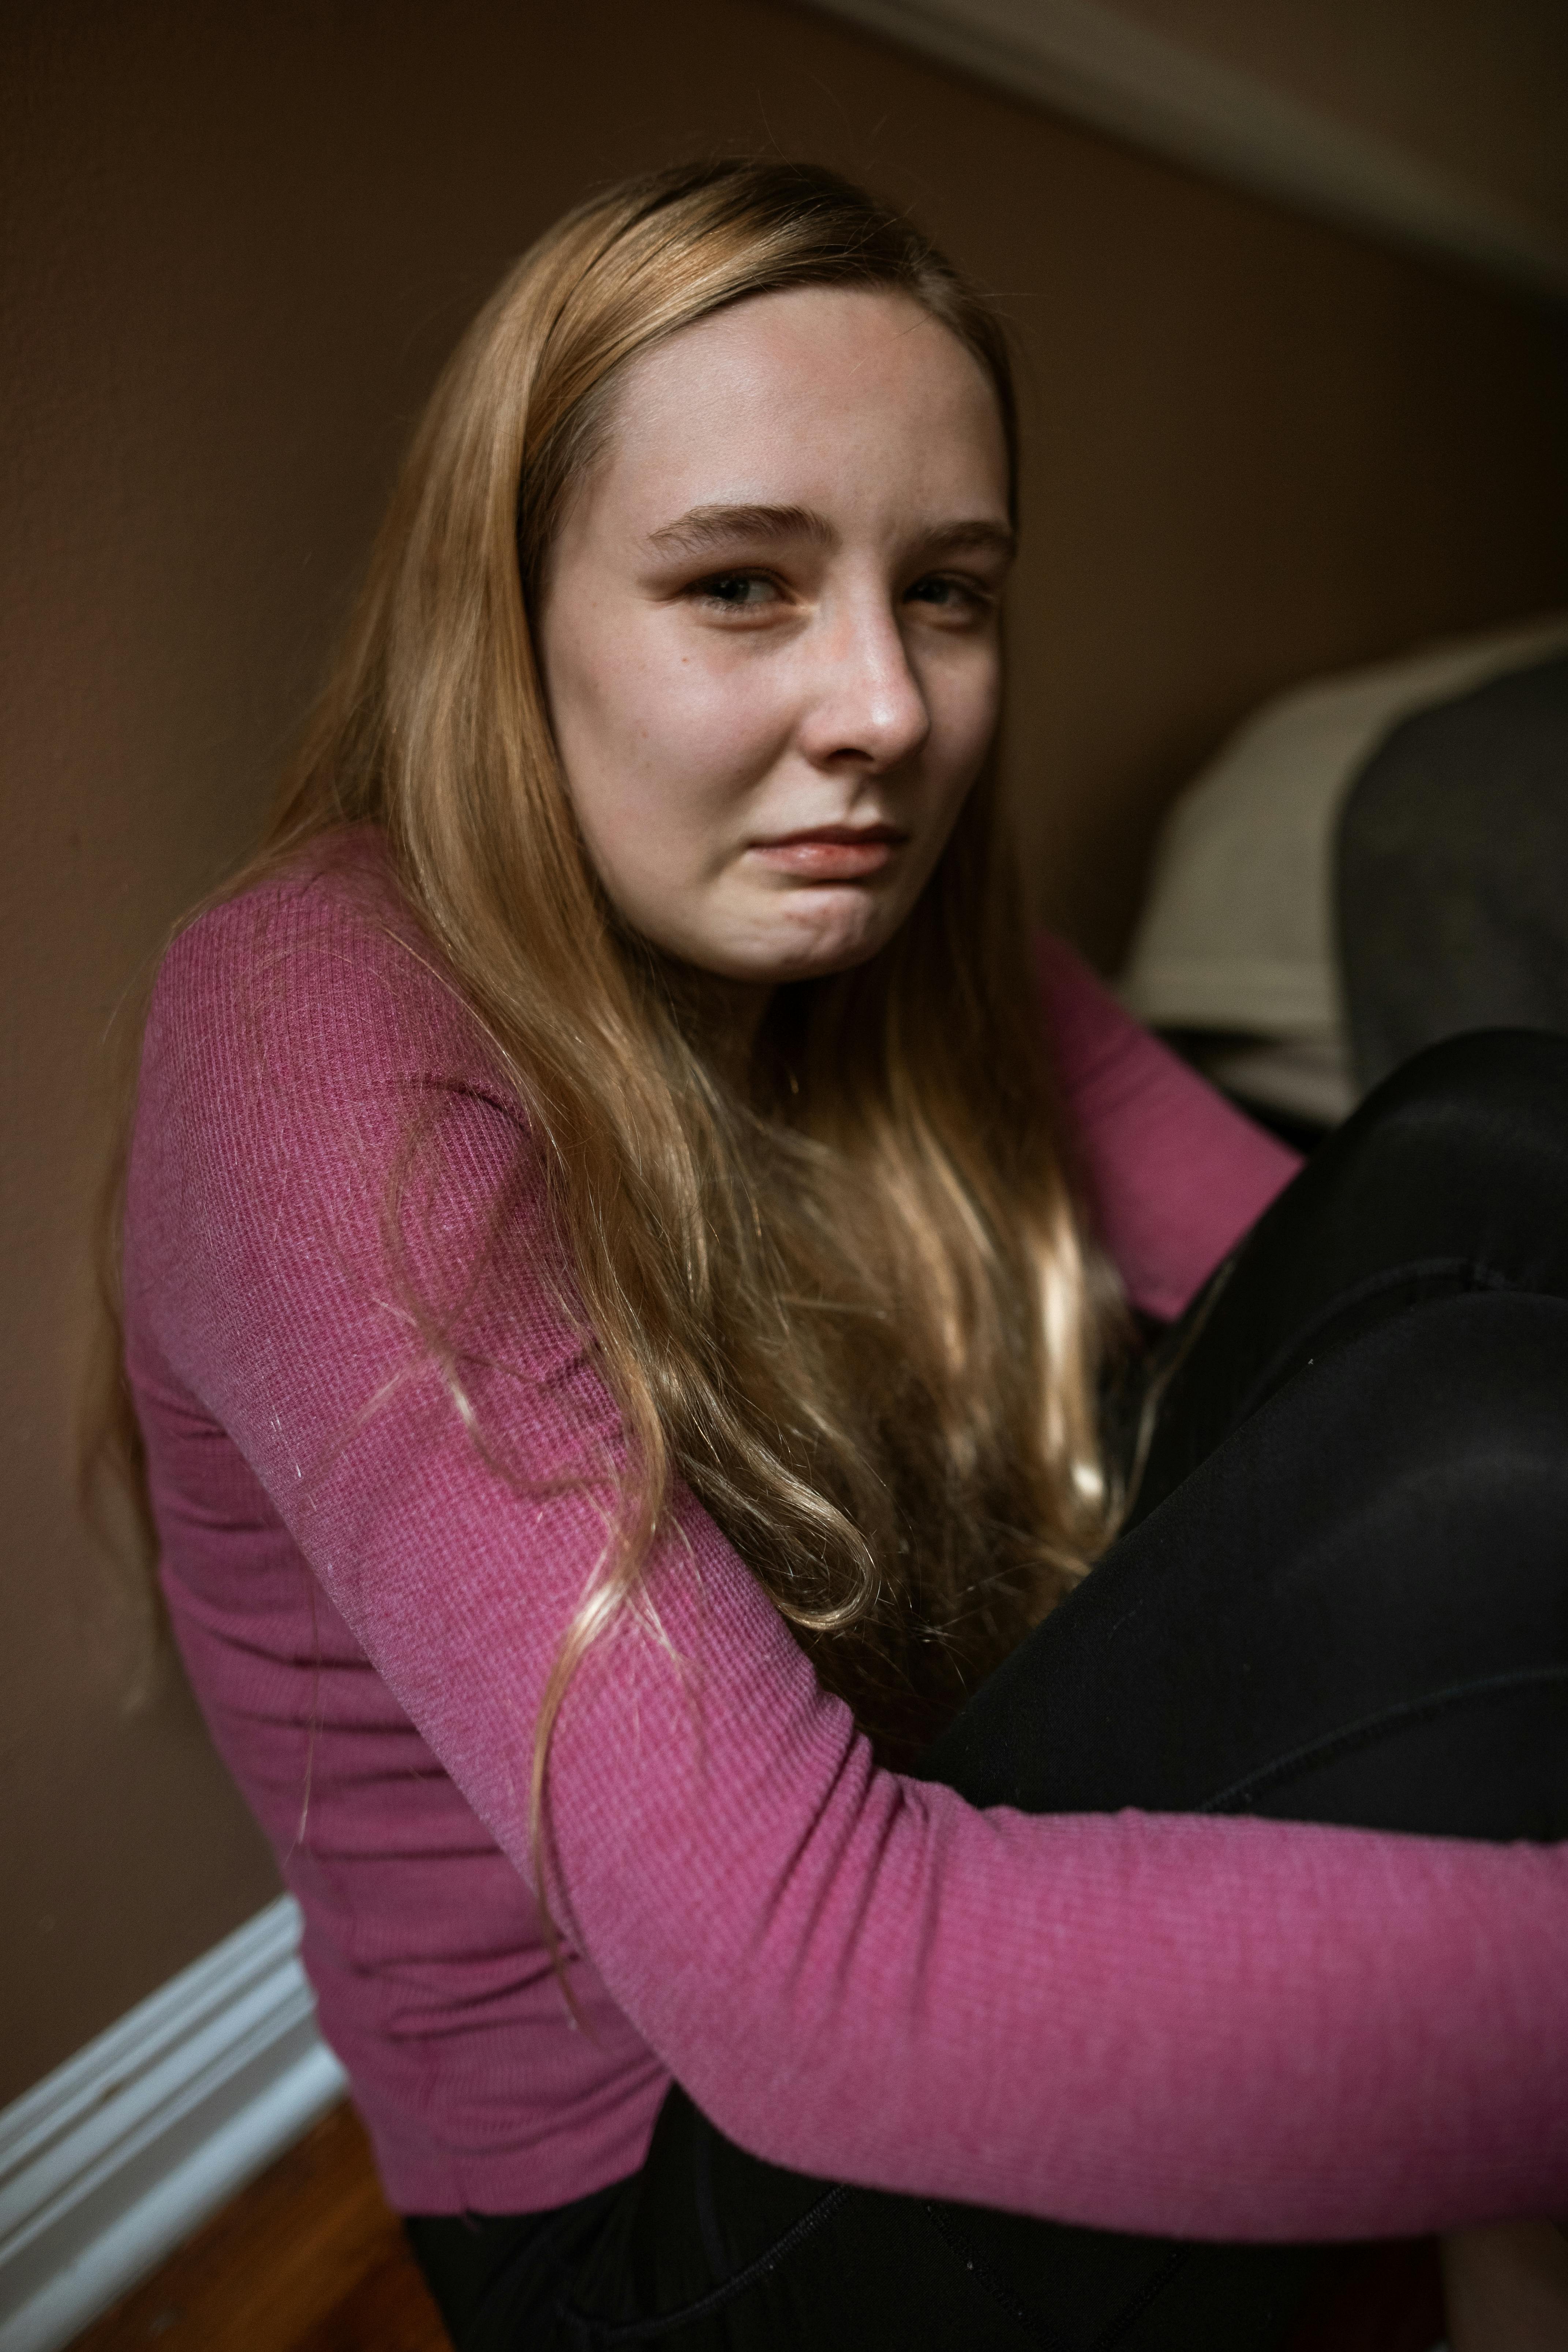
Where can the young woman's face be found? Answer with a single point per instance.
(770, 634)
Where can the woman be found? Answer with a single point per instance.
(613, 1302)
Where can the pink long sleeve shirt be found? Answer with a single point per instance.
(1195, 2026)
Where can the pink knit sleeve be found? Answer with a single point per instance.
(1176, 1174)
(1201, 2026)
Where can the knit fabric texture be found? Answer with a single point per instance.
(381, 1486)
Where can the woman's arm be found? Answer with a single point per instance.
(1196, 2027)
(1176, 1174)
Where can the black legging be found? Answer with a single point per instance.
(1340, 1596)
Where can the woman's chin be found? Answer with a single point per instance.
(809, 936)
(841, 928)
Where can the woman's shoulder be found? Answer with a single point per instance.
(309, 1071)
(332, 908)
(319, 970)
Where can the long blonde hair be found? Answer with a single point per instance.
(851, 1305)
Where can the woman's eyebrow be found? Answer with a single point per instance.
(704, 528)
(981, 534)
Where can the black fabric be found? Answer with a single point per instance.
(462, 2254)
(481, 2268)
(1340, 1596)
(1452, 883)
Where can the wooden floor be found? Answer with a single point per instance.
(307, 2259)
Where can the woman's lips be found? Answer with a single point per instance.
(831, 852)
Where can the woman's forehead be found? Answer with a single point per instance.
(795, 398)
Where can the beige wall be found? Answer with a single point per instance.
(239, 240)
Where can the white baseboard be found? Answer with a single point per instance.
(122, 2152)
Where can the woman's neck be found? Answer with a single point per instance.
(732, 1016)
(723, 1017)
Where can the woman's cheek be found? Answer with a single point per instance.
(726, 739)
(966, 706)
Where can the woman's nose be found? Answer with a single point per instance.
(866, 705)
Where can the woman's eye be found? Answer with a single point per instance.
(961, 598)
(735, 592)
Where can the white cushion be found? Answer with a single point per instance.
(1237, 928)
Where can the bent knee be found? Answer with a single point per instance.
(1444, 1433)
(1462, 1155)
(1485, 1100)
